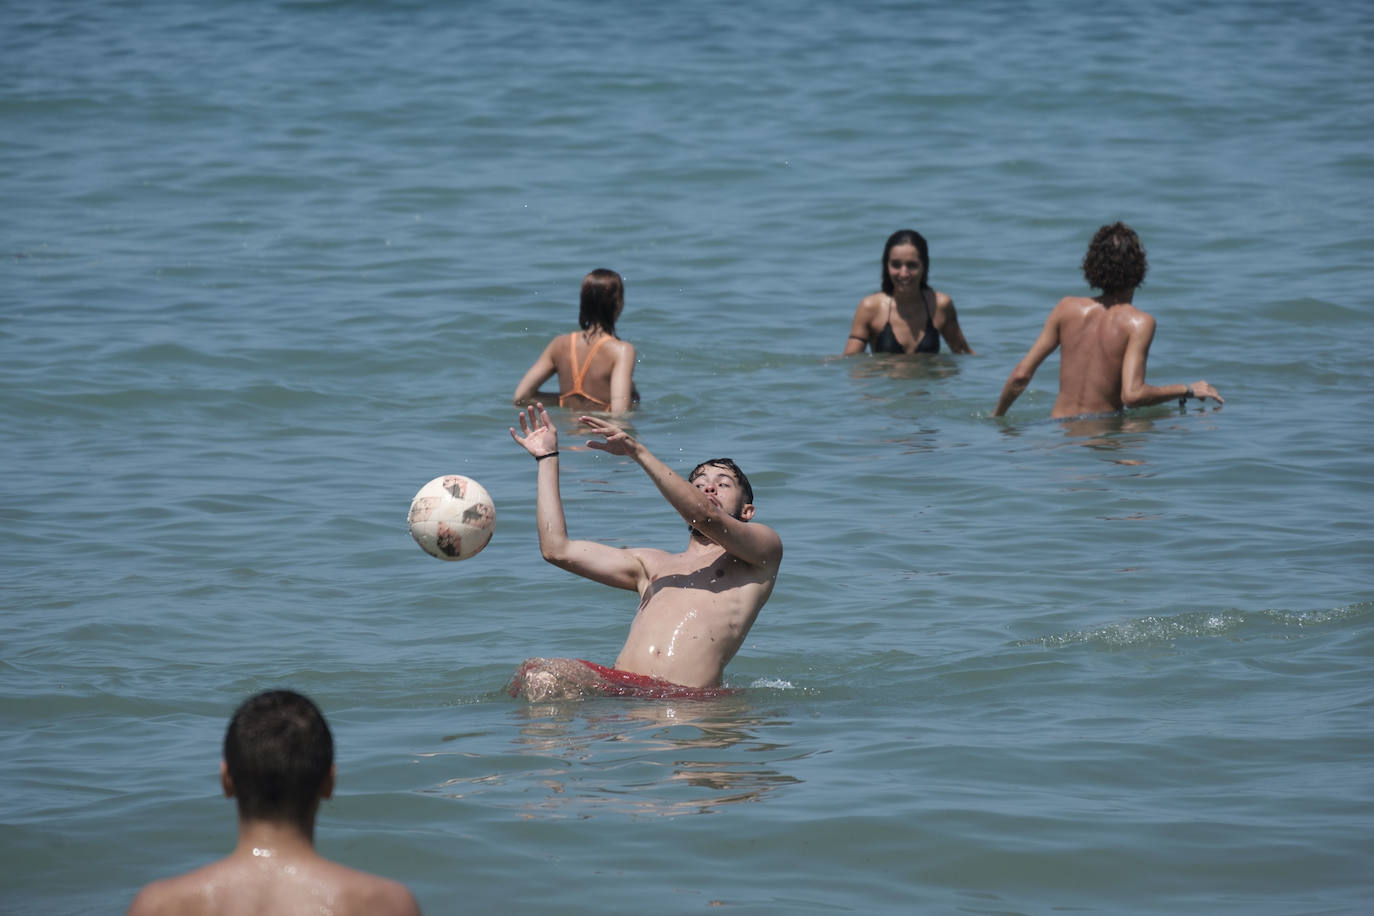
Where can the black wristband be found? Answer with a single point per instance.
(1187, 395)
(552, 454)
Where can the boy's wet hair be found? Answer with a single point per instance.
(603, 293)
(278, 750)
(1115, 261)
(729, 465)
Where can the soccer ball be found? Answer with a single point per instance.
(452, 517)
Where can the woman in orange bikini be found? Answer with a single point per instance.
(907, 316)
(595, 368)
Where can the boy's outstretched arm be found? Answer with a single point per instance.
(611, 566)
(755, 544)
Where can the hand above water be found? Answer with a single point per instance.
(540, 437)
(618, 442)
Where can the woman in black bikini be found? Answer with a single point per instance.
(907, 316)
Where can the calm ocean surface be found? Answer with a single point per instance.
(266, 268)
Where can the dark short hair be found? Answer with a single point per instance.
(603, 293)
(906, 237)
(278, 751)
(1115, 261)
(729, 465)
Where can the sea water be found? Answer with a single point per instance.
(270, 266)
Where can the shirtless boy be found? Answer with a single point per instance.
(278, 765)
(1106, 339)
(695, 607)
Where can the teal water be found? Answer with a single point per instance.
(269, 267)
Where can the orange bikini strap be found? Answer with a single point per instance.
(580, 373)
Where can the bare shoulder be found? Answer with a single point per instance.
(766, 532)
(772, 542)
(158, 897)
(384, 897)
(557, 350)
(944, 315)
(650, 559)
(872, 303)
(1074, 310)
(363, 893)
(1135, 320)
(754, 544)
(189, 893)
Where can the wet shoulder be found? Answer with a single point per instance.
(374, 896)
(186, 895)
(558, 351)
(652, 559)
(873, 307)
(358, 892)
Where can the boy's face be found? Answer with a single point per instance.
(722, 487)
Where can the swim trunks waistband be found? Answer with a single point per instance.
(616, 683)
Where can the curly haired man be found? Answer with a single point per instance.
(1106, 339)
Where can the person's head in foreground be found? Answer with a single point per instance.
(1115, 262)
(278, 765)
(278, 759)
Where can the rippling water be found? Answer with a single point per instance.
(269, 267)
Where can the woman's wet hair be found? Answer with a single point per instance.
(603, 293)
(1115, 261)
(733, 468)
(278, 750)
(907, 237)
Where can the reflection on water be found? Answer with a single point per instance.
(648, 758)
(917, 366)
(1109, 431)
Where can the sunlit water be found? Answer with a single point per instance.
(269, 267)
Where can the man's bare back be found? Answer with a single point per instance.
(278, 766)
(282, 883)
(1094, 338)
(1105, 339)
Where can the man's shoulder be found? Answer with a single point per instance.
(768, 532)
(1136, 320)
(154, 898)
(1077, 303)
(766, 545)
(651, 557)
(186, 893)
(367, 893)
(195, 892)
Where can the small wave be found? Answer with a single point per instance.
(1164, 631)
(772, 683)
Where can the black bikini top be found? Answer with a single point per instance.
(886, 341)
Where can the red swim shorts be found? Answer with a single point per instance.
(613, 682)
